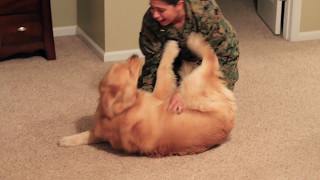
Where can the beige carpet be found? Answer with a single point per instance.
(277, 133)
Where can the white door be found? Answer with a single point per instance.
(270, 11)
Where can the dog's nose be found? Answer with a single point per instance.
(134, 56)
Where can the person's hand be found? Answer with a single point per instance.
(176, 103)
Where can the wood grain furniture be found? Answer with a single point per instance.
(26, 27)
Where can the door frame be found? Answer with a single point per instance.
(291, 24)
(292, 16)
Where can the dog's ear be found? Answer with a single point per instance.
(115, 100)
(125, 100)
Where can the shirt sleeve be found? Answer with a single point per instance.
(151, 46)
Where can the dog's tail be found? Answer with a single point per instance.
(201, 48)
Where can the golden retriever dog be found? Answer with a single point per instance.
(137, 121)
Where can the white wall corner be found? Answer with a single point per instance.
(106, 56)
(64, 31)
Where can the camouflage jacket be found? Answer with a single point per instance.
(202, 16)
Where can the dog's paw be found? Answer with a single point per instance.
(195, 41)
(171, 49)
(66, 142)
(198, 45)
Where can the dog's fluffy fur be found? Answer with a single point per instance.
(138, 122)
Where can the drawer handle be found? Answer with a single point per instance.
(22, 29)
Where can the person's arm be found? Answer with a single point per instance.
(152, 48)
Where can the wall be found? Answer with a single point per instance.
(114, 25)
(64, 13)
(90, 18)
(123, 23)
(310, 16)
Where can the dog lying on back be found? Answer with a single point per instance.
(136, 121)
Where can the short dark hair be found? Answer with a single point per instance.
(171, 2)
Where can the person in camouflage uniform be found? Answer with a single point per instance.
(175, 20)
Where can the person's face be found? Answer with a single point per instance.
(163, 12)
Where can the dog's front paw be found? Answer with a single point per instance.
(66, 142)
(171, 49)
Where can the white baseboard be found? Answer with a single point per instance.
(64, 31)
(106, 56)
(87, 40)
(312, 35)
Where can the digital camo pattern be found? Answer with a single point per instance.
(203, 16)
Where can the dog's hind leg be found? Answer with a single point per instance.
(86, 137)
(198, 89)
(199, 46)
(166, 80)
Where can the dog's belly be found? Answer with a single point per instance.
(191, 132)
(154, 130)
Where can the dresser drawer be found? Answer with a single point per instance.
(19, 6)
(21, 28)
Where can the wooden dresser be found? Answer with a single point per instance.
(26, 27)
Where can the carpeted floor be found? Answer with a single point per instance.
(277, 133)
